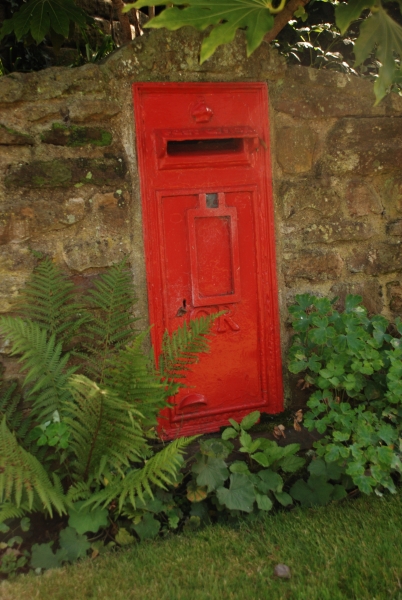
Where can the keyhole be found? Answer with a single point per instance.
(184, 303)
(182, 309)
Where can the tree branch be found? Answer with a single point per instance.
(283, 18)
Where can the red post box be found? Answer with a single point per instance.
(203, 153)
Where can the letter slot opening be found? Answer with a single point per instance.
(202, 147)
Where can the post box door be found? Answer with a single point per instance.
(203, 152)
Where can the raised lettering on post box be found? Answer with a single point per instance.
(203, 153)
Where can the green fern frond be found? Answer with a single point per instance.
(22, 477)
(131, 376)
(183, 347)
(8, 510)
(110, 325)
(80, 490)
(48, 299)
(159, 471)
(104, 430)
(46, 368)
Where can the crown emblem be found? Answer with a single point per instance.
(201, 113)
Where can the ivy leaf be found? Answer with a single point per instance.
(85, 519)
(226, 15)
(74, 544)
(148, 528)
(211, 472)
(240, 495)
(38, 17)
(43, 557)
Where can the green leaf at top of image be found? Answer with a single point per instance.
(37, 17)
(211, 472)
(240, 495)
(226, 15)
(149, 527)
(75, 545)
(346, 13)
(381, 31)
(85, 519)
(43, 557)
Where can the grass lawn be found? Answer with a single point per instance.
(351, 550)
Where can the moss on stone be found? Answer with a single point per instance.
(76, 136)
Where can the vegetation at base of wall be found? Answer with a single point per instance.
(353, 363)
(349, 550)
(79, 455)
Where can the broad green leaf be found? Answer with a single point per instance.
(124, 538)
(318, 467)
(283, 498)
(381, 31)
(42, 557)
(263, 502)
(25, 524)
(148, 528)
(261, 458)
(346, 13)
(229, 433)
(196, 493)
(37, 17)
(239, 466)
(85, 519)
(211, 472)
(339, 492)
(315, 492)
(75, 545)
(270, 481)
(291, 464)
(226, 15)
(250, 420)
(215, 448)
(240, 495)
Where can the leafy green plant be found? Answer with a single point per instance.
(353, 363)
(239, 485)
(87, 450)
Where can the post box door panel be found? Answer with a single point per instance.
(208, 229)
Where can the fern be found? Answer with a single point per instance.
(48, 299)
(42, 358)
(131, 375)
(22, 476)
(110, 324)
(104, 431)
(8, 510)
(159, 471)
(182, 348)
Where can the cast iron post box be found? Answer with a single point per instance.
(203, 152)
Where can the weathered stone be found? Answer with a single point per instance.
(9, 137)
(11, 90)
(305, 200)
(312, 265)
(394, 293)
(111, 211)
(395, 228)
(337, 231)
(65, 173)
(75, 136)
(295, 148)
(364, 146)
(389, 189)
(361, 199)
(384, 258)
(311, 93)
(84, 252)
(370, 291)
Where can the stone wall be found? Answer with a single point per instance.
(69, 184)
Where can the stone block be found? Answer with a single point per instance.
(337, 231)
(361, 199)
(389, 189)
(68, 172)
(395, 228)
(75, 136)
(364, 146)
(381, 259)
(89, 251)
(370, 291)
(10, 137)
(295, 148)
(394, 294)
(312, 265)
